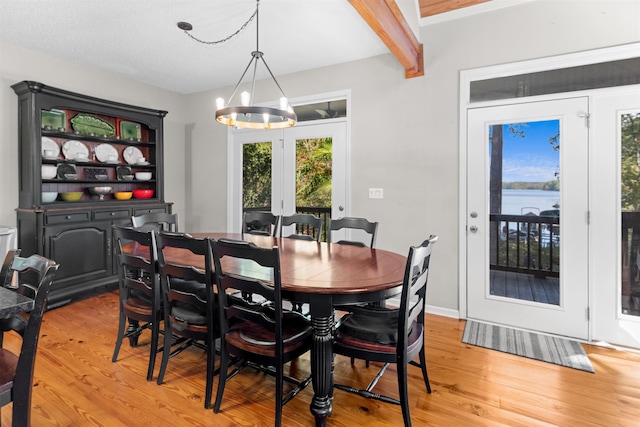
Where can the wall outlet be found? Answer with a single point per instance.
(375, 193)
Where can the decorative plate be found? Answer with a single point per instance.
(65, 170)
(98, 174)
(130, 130)
(131, 155)
(124, 173)
(103, 151)
(72, 148)
(92, 125)
(55, 119)
(50, 145)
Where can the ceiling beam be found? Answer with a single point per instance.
(388, 22)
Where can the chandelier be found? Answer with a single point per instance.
(246, 115)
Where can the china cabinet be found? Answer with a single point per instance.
(84, 164)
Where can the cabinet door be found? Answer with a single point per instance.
(83, 250)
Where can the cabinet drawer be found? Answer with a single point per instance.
(66, 217)
(155, 209)
(112, 214)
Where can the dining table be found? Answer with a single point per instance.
(321, 275)
(12, 302)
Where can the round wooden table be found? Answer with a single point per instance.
(323, 275)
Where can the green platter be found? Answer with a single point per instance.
(91, 125)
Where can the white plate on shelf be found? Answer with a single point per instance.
(50, 145)
(131, 155)
(72, 148)
(103, 151)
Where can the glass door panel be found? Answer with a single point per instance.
(256, 176)
(524, 210)
(630, 212)
(314, 162)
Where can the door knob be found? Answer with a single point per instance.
(340, 208)
(473, 229)
(473, 214)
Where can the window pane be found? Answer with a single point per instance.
(630, 210)
(593, 76)
(313, 178)
(256, 176)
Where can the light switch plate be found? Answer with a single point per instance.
(375, 193)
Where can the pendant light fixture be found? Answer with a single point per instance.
(251, 116)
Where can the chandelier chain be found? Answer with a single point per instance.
(251, 18)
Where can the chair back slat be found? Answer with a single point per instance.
(307, 226)
(259, 222)
(353, 224)
(156, 221)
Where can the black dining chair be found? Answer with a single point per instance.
(353, 223)
(260, 223)
(364, 227)
(156, 221)
(391, 335)
(35, 276)
(139, 289)
(190, 306)
(260, 335)
(307, 226)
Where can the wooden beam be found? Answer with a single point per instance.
(434, 7)
(386, 19)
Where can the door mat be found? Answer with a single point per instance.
(559, 351)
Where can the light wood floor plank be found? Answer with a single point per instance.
(76, 384)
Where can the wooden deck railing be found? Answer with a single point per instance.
(525, 244)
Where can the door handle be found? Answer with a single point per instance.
(473, 229)
(341, 208)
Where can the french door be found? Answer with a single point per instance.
(306, 164)
(527, 216)
(615, 232)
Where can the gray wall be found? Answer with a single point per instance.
(404, 132)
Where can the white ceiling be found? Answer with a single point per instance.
(139, 38)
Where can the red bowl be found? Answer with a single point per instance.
(142, 194)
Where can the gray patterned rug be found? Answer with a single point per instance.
(560, 351)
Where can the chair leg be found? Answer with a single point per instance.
(222, 375)
(134, 325)
(166, 351)
(121, 326)
(211, 360)
(279, 391)
(155, 332)
(404, 392)
(423, 366)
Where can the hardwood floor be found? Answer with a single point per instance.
(76, 384)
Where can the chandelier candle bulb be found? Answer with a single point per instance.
(245, 98)
(219, 103)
